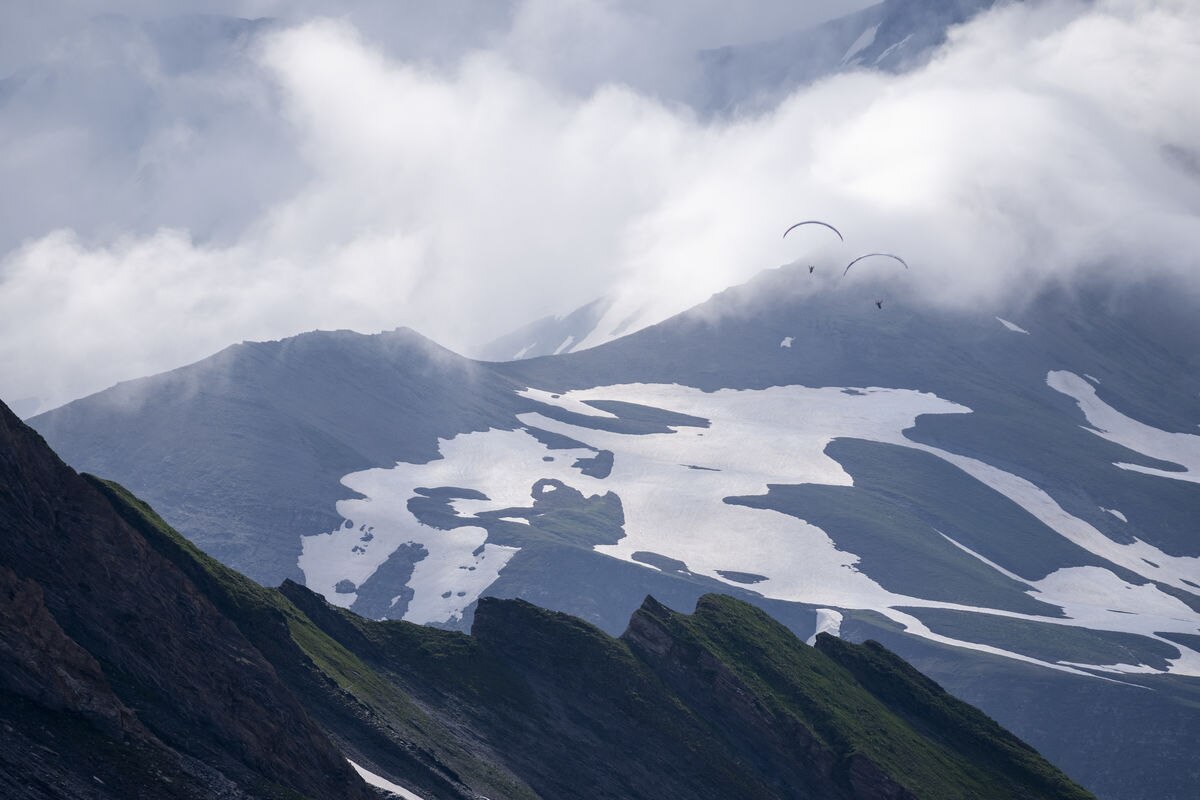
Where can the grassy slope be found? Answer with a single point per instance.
(949, 722)
(851, 709)
(569, 705)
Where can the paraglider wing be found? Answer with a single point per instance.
(869, 255)
(814, 222)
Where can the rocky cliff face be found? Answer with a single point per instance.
(44, 665)
(100, 629)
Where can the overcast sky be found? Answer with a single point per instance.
(175, 183)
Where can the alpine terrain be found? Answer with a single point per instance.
(913, 513)
(1006, 502)
(133, 665)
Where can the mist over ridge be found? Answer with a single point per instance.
(309, 172)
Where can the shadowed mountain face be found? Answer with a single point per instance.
(119, 677)
(842, 466)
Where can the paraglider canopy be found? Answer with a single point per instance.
(814, 222)
(871, 255)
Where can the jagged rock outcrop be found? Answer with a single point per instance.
(724, 702)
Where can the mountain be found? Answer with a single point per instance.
(119, 677)
(1007, 502)
(133, 665)
(547, 336)
(893, 36)
(268, 425)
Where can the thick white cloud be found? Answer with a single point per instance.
(464, 199)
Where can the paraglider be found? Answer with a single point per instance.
(812, 267)
(879, 301)
(869, 255)
(838, 233)
(814, 222)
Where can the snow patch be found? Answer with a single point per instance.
(1095, 597)
(1108, 423)
(1115, 513)
(566, 345)
(828, 621)
(893, 49)
(504, 465)
(460, 564)
(1012, 326)
(864, 40)
(1092, 379)
(787, 341)
(1134, 557)
(383, 783)
(565, 403)
(517, 356)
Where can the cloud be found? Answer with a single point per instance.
(651, 46)
(1044, 142)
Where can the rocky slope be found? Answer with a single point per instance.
(120, 678)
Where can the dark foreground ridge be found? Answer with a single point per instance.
(119, 677)
(134, 665)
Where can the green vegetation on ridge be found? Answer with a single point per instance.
(853, 717)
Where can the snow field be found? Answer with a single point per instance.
(1108, 423)
(756, 438)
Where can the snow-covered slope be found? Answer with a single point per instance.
(552, 335)
(946, 482)
(693, 497)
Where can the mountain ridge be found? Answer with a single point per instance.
(881, 463)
